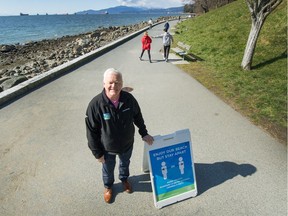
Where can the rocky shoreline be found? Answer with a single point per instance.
(19, 63)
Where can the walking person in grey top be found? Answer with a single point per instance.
(167, 40)
(110, 119)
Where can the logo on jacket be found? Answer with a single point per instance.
(106, 116)
(126, 110)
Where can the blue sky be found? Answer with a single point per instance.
(14, 7)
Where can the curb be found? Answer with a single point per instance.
(28, 85)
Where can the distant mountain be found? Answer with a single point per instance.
(132, 10)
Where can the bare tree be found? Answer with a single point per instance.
(202, 6)
(188, 8)
(259, 10)
(205, 6)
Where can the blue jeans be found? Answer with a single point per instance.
(109, 166)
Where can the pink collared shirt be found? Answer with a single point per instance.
(115, 103)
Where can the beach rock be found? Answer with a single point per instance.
(7, 48)
(94, 35)
(52, 56)
(13, 81)
(2, 72)
(103, 33)
(3, 79)
(124, 29)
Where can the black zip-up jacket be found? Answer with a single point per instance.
(112, 129)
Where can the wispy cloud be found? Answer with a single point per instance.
(142, 3)
(152, 3)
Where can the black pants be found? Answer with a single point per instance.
(166, 51)
(148, 54)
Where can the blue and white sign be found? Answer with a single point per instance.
(171, 168)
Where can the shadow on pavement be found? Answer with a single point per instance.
(211, 175)
(140, 183)
(207, 176)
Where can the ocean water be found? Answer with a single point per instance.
(23, 29)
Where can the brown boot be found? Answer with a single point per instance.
(127, 186)
(108, 195)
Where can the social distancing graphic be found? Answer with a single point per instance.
(171, 168)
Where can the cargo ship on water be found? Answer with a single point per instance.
(22, 14)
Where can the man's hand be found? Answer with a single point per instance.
(101, 160)
(148, 139)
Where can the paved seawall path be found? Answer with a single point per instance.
(46, 167)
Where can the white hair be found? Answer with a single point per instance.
(111, 71)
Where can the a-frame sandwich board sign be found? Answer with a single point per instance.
(171, 168)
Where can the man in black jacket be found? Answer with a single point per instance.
(110, 119)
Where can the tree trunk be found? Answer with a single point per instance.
(251, 44)
(259, 10)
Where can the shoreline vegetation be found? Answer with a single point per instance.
(21, 62)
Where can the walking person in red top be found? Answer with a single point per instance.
(146, 45)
